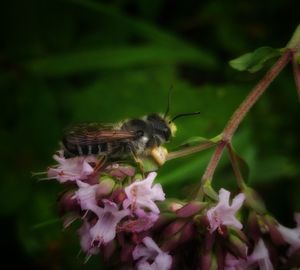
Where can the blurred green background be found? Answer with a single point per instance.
(65, 62)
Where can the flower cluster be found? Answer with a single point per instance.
(126, 219)
(114, 204)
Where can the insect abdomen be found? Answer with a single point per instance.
(72, 150)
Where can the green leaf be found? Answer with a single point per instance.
(254, 61)
(295, 39)
(118, 57)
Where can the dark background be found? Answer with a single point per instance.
(65, 62)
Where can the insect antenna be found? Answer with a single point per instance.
(169, 102)
(183, 114)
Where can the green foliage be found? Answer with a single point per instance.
(66, 62)
(254, 61)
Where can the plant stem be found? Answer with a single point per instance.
(214, 161)
(254, 95)
(236, 166)
(241, 112)
(189, 150)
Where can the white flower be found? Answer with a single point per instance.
(141, 194)
(291, 236)
(223, 213)
(105, 228)
(86, 239)
(151, 257)
(71, 169)
(259, 257)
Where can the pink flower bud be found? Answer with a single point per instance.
(190, 209)
(105, 187)
(108, 250)
(274, 232)
(253, 226)
(173, 228)
(205, 258)
(187, 233)
(67, 203)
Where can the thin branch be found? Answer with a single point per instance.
(236, 166)
(210, 169)
(190, 150)
(254, 95)
(241, 112)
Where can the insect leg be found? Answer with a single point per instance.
(139, 162)
(102, 160)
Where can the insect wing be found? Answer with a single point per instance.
(94, 133)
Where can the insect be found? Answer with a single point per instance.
(133, 138)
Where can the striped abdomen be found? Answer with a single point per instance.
(78, 149)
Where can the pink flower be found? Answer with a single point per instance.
(233, 263)
(105, 228)
(86, 195)
(223, 213)
(86, 239)
(259, 257)
(71, 169)
(140, 194)
(291, 236)
(151, 256)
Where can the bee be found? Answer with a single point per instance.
(132, 138)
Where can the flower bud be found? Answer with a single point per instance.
(163, 220)
(240, 234)
(237, 246)
(253, 226)
(170, 205)
(175, 234)
(220, 255)
(173, 228)
(108, 250)
(188, 232)
(206, 255)
(126, 253)
(67, 203)
(275, 235)
(105, 187)
(190, 209)
(118, 195)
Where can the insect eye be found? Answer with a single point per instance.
(166, 133)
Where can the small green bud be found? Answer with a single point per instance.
(105, 187)
(237, 246)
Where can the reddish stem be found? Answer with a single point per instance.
(235, 166)
(211, 167)
(190, 150)
(242, 110)
(254, 95)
